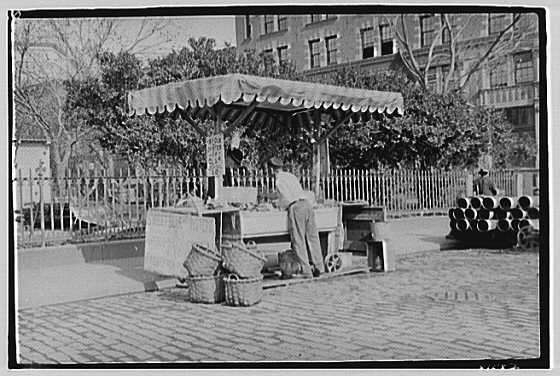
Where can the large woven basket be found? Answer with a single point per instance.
(206, 289)
(201, 261)
(244, 260)
(243, 292)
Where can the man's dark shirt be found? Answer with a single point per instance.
(484, 186)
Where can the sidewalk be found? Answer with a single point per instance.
(69, 276)
(465, 304)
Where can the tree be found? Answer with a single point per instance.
(464, 56)
(168, 138)
(436, 130)
(50, 52)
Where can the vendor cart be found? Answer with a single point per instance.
(233, 100)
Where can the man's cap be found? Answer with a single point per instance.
(482, 171)
(276, 162)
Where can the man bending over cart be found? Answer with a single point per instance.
(301, 220)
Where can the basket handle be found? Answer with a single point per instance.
(255, 253)
(207, 251)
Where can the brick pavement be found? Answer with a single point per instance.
(473, 304)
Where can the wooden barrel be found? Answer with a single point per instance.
(470, 213)
(485, 225)
(525, 202)
(526, 223)
(463, 202)
(504, 225)
(506, 203)
(533, 213)
(485, 214)
(518, 213)
(453, 225)
(489, 202)
(458, 214)
(515, 224)
(501, 214)
(476, 202)
(463, 225)
(451, 215)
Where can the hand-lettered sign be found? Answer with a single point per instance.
(170, 237)
(215, 160)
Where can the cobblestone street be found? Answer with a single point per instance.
(472, 304)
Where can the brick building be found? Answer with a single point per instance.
(317, 44)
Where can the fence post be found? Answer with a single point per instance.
(22, 214)
(105, 205)
(42, 209)
(519, 183)
(469, 182)
(32, 202)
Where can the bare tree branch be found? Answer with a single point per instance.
(476, 66)
(452, 52)
(141, 37)
(411, 64)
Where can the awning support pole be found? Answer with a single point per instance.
(316, 155)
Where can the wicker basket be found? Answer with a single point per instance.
(244, 260)
(243, 292)
(201, 261)
(206, 289)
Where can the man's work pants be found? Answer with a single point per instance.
(304, 235)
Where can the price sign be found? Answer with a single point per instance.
(215, 160)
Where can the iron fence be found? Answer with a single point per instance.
(94, 205)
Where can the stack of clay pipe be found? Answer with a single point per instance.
(487, 217)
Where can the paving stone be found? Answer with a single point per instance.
(490, 310)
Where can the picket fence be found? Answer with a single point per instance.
(89, 205)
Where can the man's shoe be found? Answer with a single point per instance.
(316, 272)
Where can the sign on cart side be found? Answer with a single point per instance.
(170, 237)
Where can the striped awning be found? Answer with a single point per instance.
(237, 91)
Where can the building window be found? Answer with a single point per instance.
(386, 39)
(330, 43)
(316, 18)
(282, 54)
(368, 42)
(314, 53)
(426, 30)
(521, 118)
(444, 33)
(268, 59)
(247, 27)
(497, 22)
(432, 79)
(523, 67)
(268, 24)
(498, 75)
(320, 17)
(282, 23)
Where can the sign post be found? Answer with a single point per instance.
(215, 160)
